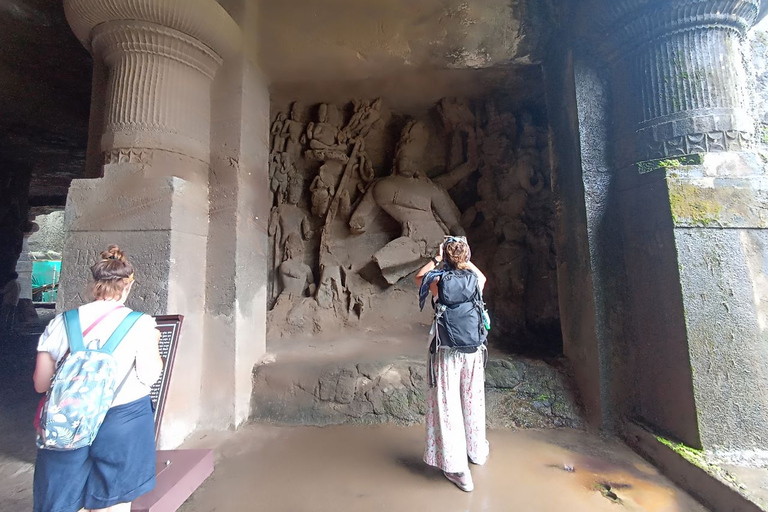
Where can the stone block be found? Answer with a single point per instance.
(502, 374)
(724, 280)
(160, 223)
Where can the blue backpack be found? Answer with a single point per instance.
(460, 314)
(83, 387)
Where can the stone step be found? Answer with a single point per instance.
(328, 387)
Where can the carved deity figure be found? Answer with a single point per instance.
(280, 169)
(530, 134)
(323, 135)
(366, 115)
(285, 220)
(288, 217)
(296, 277)
(459, 126)
(413, 200)
(278, 139)
(322, 189)
(498, 135)
(528, 171)
(292, 130)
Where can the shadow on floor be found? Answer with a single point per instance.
(19, 402)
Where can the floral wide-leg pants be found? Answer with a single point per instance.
(456, 411)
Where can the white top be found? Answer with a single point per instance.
(137, 347)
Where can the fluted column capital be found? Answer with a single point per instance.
(625, 26)
(113, 41)
(680, 83)
(203, 20)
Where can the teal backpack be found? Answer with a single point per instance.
(83, 387)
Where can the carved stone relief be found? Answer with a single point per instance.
(348, 226)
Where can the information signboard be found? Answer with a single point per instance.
(169, 327)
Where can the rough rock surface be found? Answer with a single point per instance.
(50, 236)
(520, 393)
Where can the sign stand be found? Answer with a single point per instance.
(178, 472)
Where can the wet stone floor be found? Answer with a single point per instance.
(358, 468)
(364, 468)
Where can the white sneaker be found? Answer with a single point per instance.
(462, 480)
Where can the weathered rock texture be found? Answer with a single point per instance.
(357, 40)
(758, 39)
(44, 98)
(520, 393)
(359, 223)
(14, 197)
(50, 233)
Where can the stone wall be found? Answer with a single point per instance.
(14, 206)
(520, 393)
(50, 233)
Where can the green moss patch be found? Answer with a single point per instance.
(647, 166)
(699, 459)
(693, 205)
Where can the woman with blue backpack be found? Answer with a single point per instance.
(95, 426)
(456, 369)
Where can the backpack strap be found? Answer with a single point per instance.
(128, 322)
(74, 331)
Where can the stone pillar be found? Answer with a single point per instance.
(689, 191)
(156, 62)
(238, 243)
(24, 270)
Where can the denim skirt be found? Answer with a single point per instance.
(117, 468)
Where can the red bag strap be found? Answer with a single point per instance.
(102, 317)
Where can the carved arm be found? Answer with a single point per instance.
(446, 210)
(364, 210)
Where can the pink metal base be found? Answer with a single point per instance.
(179, 474)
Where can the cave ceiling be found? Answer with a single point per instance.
(46, 74)
(45, 97)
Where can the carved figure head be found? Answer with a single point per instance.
(296, 109)
(333, 116)
(322, 113)
(410, 149)
(454, 112)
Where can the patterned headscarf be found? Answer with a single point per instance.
(437, 272)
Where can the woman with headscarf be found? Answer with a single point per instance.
(456, 395)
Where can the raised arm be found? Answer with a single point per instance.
(446, 210)
(464, 169)
(274, 217)
(430, 265)
(480, 276)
